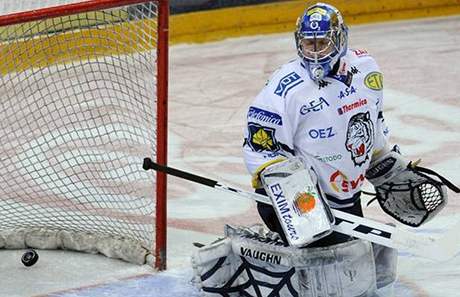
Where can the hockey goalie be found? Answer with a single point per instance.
(314, 134)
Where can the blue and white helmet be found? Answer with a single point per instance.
(321, 39)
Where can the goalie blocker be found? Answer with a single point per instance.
(298, 202)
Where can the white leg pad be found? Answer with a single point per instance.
(253, 262)
(214, 265)
(345, 269)
(386, 261)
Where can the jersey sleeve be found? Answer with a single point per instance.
(382, 131)
(374, 82)
(269, 131)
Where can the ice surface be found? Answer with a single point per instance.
(211, 86)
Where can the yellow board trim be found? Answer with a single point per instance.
(64, 23)
(121, 38)
(198, 27)
(280, 17)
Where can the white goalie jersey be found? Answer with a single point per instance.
(336, 125)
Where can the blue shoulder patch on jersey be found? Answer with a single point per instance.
(286, 83)
(265, 116)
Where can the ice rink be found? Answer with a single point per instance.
(211, 86)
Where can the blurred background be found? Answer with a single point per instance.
(198, 21)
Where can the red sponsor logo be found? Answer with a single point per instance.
(340, 182)
(349, 107)
(361, 52)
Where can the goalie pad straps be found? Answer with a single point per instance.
(405, 192)
(254, 262)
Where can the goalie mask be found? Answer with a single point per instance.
(321, 39)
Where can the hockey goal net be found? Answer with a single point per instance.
(83, 100)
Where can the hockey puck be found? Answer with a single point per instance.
(29, 258)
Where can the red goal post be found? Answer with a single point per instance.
(84, 93)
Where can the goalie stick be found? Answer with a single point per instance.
(438, 249)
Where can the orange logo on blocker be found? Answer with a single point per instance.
(304, 203)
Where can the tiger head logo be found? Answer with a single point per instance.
(360, 137)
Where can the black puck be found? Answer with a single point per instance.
(29, 258)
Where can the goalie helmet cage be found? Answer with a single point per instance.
(83, 101)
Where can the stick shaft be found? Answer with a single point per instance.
(345, 223)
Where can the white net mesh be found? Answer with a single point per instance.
(78, 115)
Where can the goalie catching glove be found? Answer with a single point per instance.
(405, 191)
(298, 202)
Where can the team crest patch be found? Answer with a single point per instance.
(262, 138)
(360, 137)
(374, 81)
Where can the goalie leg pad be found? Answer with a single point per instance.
(345, 269)
(386, 261)
(257, 264)
(249, 262)
(213, 266)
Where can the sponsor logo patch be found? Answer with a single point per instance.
(349, 107)
(321, 133)
(347, 92)
(341, 184)
(361, 52)
(265, 116)
(329, 158)
(284, 211)
(287, 83)
(260, 255)
(381, 168)
(374, 81)
(304, 203)
(313, 106)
